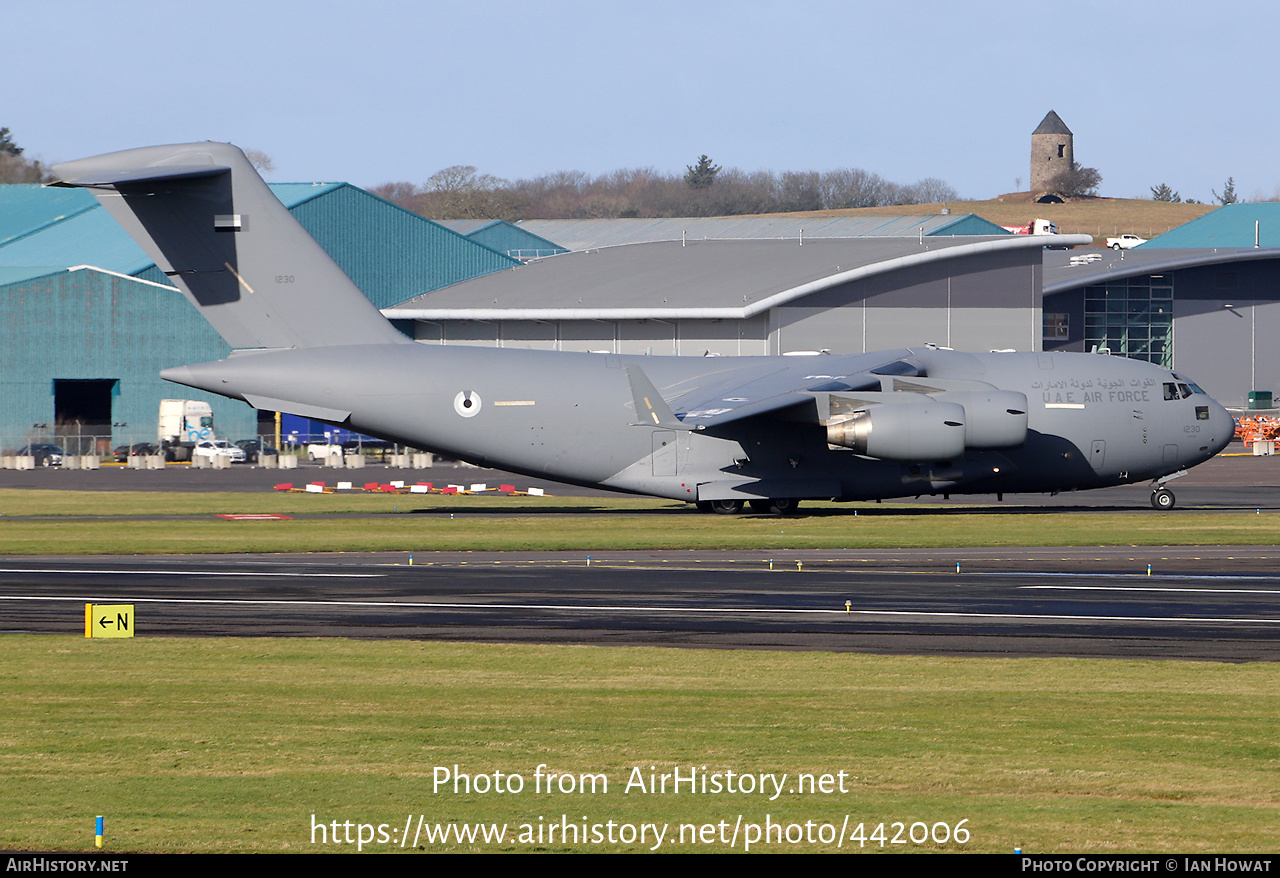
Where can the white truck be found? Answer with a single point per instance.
(1125, 242)
(1035, 227)
(183, 423)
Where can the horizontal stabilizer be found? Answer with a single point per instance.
(99, 178)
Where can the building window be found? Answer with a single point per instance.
(1132, 317)
(1061, 147)
(1056, 327)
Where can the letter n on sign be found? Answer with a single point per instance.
(108, 620)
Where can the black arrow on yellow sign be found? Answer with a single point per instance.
(109, 620)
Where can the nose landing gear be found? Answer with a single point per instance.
(1161, 497)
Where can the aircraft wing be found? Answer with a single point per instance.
(744, 392)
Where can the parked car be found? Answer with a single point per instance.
(212, 448)
(254, 449)
(45, 453)
(368, 447)
(319, 451)
(124, 452)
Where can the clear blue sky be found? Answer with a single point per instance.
(1179, 92)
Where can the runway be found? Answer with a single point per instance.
(1213, 603)
(1208, 603)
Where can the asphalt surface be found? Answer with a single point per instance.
(1217, 604)
(1208, 603)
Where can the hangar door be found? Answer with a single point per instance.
(82, 412)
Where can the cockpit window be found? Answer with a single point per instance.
(1170, 390)
(1183, 383)
(1186, 391)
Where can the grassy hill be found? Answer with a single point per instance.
(1100, 217)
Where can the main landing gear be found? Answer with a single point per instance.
(778, 506)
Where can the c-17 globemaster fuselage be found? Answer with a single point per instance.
(717, 431)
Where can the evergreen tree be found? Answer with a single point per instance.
(701, 175)
(13, 167)
(1164, 193)
(7, 146)
(1228, 195)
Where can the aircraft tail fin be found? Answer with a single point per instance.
(201, 211)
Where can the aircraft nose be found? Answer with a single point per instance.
(1223, 427)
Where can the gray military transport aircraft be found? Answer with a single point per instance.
(718, 432)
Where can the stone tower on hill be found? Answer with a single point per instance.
(1052, 153)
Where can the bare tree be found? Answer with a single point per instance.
(930, 190)
(462, 191)
(853, 187)
(261, 162)
(800, 190)
(401, 194)
(1076, 182)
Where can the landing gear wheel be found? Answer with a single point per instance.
(1163, 499)
(776, 506)
(726, 507)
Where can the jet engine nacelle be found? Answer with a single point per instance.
(992, 418)
(925, 430)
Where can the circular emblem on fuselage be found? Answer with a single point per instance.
(467, 403)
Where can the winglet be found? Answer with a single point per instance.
(651, 408)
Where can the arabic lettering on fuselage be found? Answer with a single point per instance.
(1057, 392)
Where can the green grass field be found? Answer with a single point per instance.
(238, 744)
(1100, 217)
(233, 745)
(156, 523)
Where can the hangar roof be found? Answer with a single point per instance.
(1232, 225)
(467, 226)
(41, 225)
(702, 279)
(590, 233)
(1068, 271)
(16, 274)
(28, 207)
(88, 236)
(392, 255)
(504, 237)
